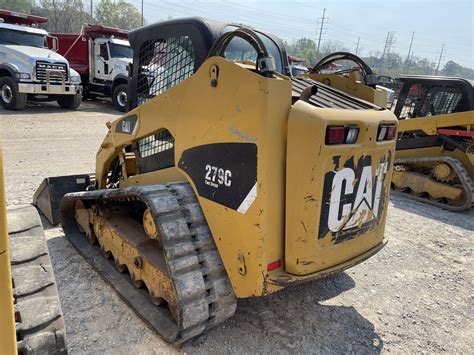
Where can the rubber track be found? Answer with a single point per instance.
(204, 293)
(461, 173)
(40, 324)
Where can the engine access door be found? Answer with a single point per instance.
(336, 195)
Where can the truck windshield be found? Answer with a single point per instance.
(119, 51)
(20, 38)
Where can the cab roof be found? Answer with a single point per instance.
(20, 18)
(436, 78)
(202, 32)
(32, 30)
(97, 31)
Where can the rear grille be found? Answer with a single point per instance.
(43, 67)
(329, 97)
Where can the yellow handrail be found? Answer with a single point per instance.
(7, 317)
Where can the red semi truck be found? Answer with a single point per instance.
(101, 55)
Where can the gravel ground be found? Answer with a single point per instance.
(416, 295)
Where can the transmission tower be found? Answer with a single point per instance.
(439, 60)
(357, 47)
(407, 61)
(323, 20)
(389, 42)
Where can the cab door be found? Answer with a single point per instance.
(101, 60)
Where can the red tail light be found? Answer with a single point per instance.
(335, 135)
(386, 132)
(391, 132)
(341, 134)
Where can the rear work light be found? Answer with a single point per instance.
(341, 134)
(386, 132)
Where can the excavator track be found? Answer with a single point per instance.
(183, 255)
(460, 180)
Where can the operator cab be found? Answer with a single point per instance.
(424, 96)
(167, 53)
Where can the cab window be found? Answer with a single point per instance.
(103, 51)
(239, 50)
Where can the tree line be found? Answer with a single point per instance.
(68, 16)
(393, 64)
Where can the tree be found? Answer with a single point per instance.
(63, 15)
(24, 6)
(452, 68)
(119, 14)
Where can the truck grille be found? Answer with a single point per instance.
(42, 67)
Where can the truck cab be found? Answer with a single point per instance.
(29, 70)
(102, 56)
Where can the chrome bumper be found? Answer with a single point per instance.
(45, 89)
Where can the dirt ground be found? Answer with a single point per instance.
(416, 295)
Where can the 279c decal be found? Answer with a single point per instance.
(217, 176)
(225, 173)
(356, 198)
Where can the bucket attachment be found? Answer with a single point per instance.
(49, 194)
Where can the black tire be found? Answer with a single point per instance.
(10, 98)
(70, 102)
(119, 97)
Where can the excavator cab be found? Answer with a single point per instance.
(228, 178)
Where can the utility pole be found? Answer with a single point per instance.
(408, 56)
(389, 41)
(92, 18)
(323, 21)
(142, 13)
(439, 60)
(357, 48)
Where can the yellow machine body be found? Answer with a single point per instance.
(430, 126)
(279, 222)
(7, 319)
(353, 85)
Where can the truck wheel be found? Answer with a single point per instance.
(119, 97)
(70, 101)
(9, 96)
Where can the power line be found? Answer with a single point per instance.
(323, 20)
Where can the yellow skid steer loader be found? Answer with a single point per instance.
(227, 178)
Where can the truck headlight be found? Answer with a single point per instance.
(23, 76)
(75, 79)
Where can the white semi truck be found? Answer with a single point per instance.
(29, 70)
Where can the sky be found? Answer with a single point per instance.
(435, 22)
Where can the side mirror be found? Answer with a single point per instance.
(53, 43)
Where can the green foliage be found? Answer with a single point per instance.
(305, 48)
(63, 15)
(393, 64)
(454, 69)
(24, 6)
(119, 14)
